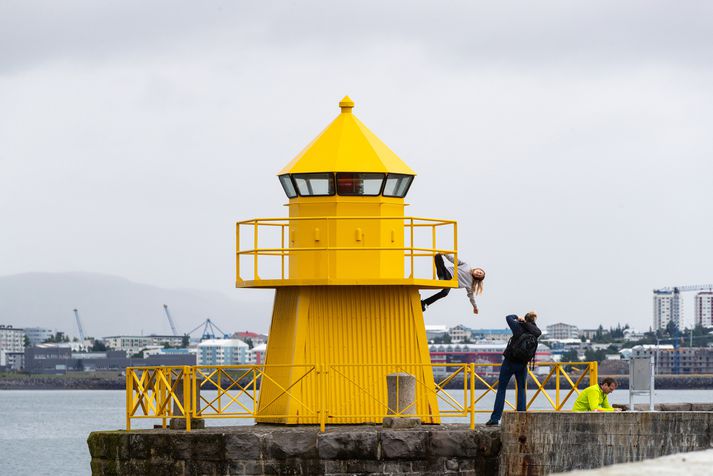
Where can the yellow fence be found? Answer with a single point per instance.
(233, 391)
(271, 237)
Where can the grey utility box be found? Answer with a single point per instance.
(641, 375)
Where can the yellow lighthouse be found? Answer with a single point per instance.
(347, 266)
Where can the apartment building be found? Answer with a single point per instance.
(12, 339)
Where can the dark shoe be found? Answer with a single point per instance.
(424, 306)
(492, 423)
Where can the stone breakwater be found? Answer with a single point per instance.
(263, 449)
(529, 444)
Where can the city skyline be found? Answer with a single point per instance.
(152, 318)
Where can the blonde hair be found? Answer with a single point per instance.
(531, 316)
(477, 286)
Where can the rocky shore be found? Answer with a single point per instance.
(115, 381)
(61, 382)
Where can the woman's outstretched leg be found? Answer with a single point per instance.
(439, 295)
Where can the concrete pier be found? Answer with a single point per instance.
(699, 463)
(544, 443)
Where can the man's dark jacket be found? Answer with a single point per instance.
(519, 328)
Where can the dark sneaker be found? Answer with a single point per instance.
(492, 423)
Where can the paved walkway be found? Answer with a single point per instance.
(697, 463)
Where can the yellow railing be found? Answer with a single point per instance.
(232, 391)
(256, 230)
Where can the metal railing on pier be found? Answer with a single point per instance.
(233, 391)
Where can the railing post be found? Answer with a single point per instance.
(557, 385)
(255, 255)
(433, 247)
(471, 372)
(165, 394)
(187, 404)
(282, 250)
(254, 379)
(593, 373)
(129, 395)
(455, 249)
(411, 246)
(322, 372)
(237, 253)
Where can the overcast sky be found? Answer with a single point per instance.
(572, 141)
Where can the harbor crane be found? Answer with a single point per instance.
(680, 289)
(209, 329)
(79, 325)
(170, 320)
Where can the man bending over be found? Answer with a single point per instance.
(594, 398)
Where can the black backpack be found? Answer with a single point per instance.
(522, 349)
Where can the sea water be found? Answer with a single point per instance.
(44, 432)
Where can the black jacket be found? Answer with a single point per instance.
(519, 328)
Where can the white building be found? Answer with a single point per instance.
(704, 309)
(667, 308)
(12, 360)
(256, 355)
(12, 339)
(160, 350)
(435, 331)
(38, 335)
(632, 334)
(222, 352)
(562, 331)
(134, 344)
(72, 346)
(459, 333)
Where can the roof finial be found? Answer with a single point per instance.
(346, 104)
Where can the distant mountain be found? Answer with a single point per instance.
(111, 305)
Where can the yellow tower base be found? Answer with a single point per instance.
(331, 348)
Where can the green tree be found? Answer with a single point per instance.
(671, 328)
(569, 356)
(591, 355)
(442, 339)
(57, 338)
(98, 346)
(26, 341)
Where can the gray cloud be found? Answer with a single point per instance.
(467, 34)
(571, 141)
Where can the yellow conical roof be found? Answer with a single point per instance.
(346, 145)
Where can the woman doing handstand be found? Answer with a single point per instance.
(471, 279)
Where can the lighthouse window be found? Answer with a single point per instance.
(397, 185)
(289, 187)
(349, 183)
(311, 185)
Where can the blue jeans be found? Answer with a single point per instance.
(507, 370)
